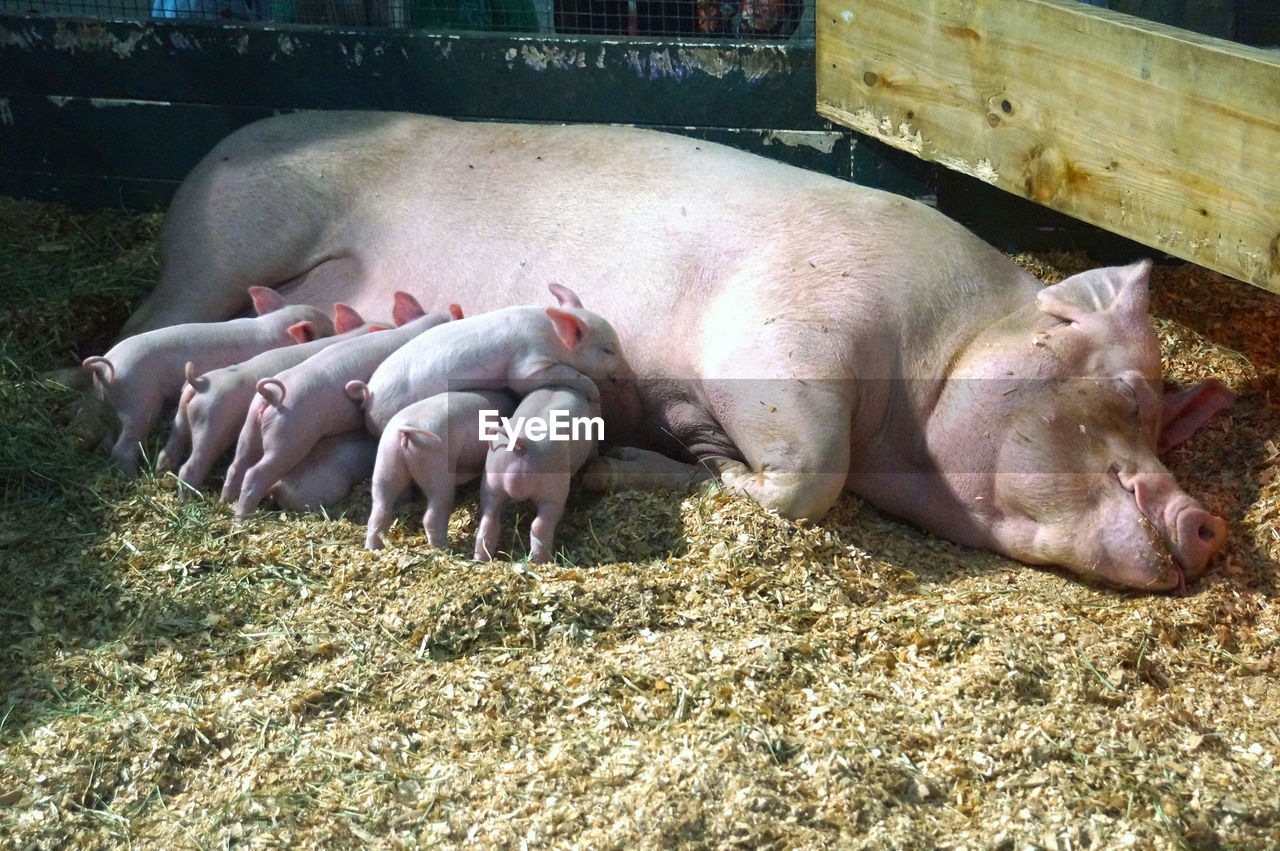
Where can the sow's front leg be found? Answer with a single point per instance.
(783, 442)
(793, 435)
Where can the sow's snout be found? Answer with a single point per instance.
(1139, 532)
(1181, 527)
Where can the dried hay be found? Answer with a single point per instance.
(692, 672)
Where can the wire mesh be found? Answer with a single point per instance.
(728, 19)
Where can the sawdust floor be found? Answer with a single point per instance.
(693, 673)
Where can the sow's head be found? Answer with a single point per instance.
(1077, 481)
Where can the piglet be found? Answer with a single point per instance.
(212, 406)
(140, 374)
(517, 348)
(328, 474)
(439, 444)
(520, 466)
(297, 407)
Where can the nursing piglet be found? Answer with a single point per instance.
(140, 374)
(334, 466)
(519, 348)
(538, 469)
(300, 405)
(212, 406)
(438, 444)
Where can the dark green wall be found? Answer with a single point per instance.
(115, 113)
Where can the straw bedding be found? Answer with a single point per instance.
(691, 672)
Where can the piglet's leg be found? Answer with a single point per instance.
(491, 504)
(125, 450)
(179, 442)
(277, 459)
(542, 532)
(435, 520)
(253, 489)
(390, 478)
(248, 451)
(134, 426)
(206, 447)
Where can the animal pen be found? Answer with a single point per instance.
(692, 671)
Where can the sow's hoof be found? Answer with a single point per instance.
(90, 425)
(89, 422)
(628, 468)
(74, 377)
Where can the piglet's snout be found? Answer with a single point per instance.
(1193, 534)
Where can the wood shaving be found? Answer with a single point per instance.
(691, 672)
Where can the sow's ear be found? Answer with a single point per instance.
(1114, 294)
(1185, 411)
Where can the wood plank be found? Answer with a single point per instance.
(1161, 135)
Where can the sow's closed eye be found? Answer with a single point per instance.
(1142, 397)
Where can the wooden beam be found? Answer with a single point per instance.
(1158, 134)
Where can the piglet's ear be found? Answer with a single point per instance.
(497, 439)
(405, 308)
(198, 382)
(1185, 411)
(304, 332)
(1111, 294)
(564, 295)
(265, 300)
(568, 327)
(345, 318)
